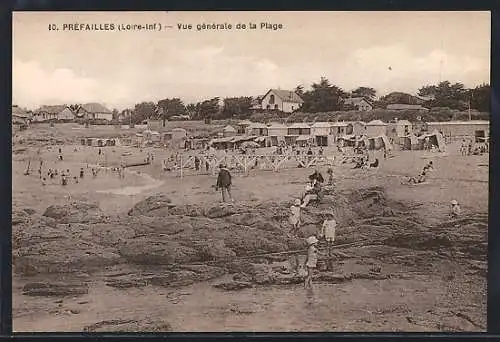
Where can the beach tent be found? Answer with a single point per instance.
(409, 142)
(435, 138)
(379, 142)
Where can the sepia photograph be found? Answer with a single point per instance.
(250, 171)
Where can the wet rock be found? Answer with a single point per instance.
(334, 278)
(128, 325)
(55, 289)
(154, 250)
(151, 204)
(214, 250)
(75, 212)
(63, 256)
(233, 285)
(111, 234)
(221, 210)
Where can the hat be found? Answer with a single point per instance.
(328, 213)
(297, 201)
(312, 240)
(454, 202)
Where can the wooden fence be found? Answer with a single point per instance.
(245, 162)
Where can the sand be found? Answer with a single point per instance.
(160, 268)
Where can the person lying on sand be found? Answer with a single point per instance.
(421, 178)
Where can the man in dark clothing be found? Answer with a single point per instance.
(197, 163)
(317, 176)
(224, 183)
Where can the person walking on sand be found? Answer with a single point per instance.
(455, 209)
(311, 260)
(224, 183)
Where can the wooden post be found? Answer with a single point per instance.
(181, 166)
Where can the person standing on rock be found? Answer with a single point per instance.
(311, 261)
(294, 218)
(224, 183)
(328, 233)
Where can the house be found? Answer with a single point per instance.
(228, 131)
(479, 129)
(53, 113)
(321, 133)
(257, 128)
(94, 111)
(375, 128)
(401, 106)
(356, 128)
(277, 133)
(398, 129)
(20, 118)
(359, 103)
(284, 100)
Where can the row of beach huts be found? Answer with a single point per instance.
(401, 132)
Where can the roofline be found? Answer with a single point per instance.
(271, 89)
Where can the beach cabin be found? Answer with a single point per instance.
(242, 127)
(356, 128)
(375, 128)
(321, 133)
(257, 128)
(228, 131)
(277, 132)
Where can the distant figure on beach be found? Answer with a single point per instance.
(224, 183)
(82, 173)
(197, 163)
(455, 209)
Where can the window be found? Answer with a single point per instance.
(271, 99)
(275, 106)
(292, 107)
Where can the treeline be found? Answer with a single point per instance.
(321, 97)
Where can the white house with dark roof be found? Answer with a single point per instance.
(52, 113)
(94, 111)
(359, 103)
(284, 100)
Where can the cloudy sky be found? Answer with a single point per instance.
(388, 51)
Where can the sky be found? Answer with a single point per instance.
(389, 51)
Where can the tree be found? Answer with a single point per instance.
(208, 109)
(171, 107)
(143, 111)
(445, 94)
(480, 98)
(115, 113)
(236, 107)
(366, 92)
(299, 90)
(323, 97)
